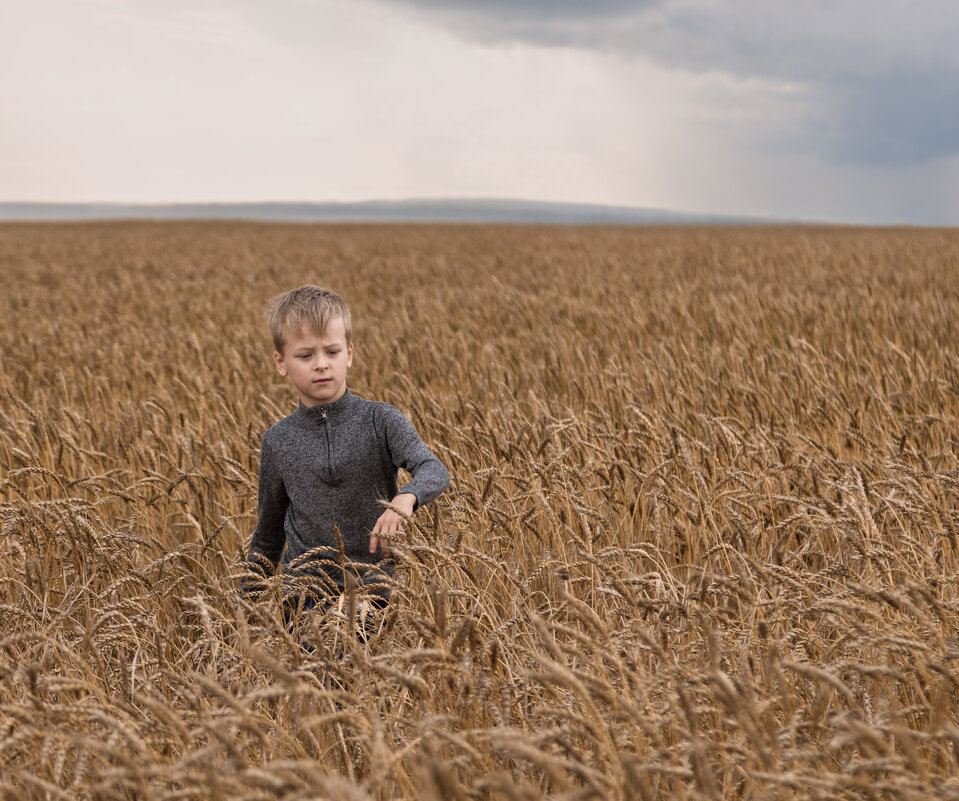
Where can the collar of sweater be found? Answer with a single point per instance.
(331, 411)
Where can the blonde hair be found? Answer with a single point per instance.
(310, 306)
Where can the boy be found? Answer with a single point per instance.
(328, 467)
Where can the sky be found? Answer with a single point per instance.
(826, 110)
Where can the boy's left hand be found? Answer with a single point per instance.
(390, 524)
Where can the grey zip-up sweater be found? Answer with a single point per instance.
(326, 466)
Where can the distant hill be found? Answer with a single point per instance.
(441, 210)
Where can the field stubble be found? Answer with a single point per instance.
(700, 542)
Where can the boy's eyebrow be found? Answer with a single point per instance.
(323, 345)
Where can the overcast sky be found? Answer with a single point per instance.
(844, 110)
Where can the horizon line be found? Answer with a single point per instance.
(447, 209)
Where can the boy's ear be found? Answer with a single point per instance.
(349, 355)
(280, 364)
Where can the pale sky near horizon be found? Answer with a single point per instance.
(837, 111)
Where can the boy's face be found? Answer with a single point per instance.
(316, 363)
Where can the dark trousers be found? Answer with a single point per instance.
(316, 593)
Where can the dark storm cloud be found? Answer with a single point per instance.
(879, 80)
(902, 118)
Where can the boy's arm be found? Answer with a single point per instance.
(428, 476)
(268, 540)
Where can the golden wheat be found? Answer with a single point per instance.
(701, 539)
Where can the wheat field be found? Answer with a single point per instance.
(701, 538)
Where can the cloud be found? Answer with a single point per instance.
(877, 81)
(541, 9)
(828, 111)
(507, 11)
(906, 117)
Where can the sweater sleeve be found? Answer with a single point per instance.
(272, 501)
(428, 475)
